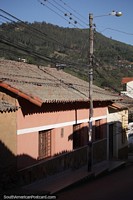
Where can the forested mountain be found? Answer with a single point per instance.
(47, 44)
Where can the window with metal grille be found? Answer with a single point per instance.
(44, 144)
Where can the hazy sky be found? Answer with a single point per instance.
(53, 11)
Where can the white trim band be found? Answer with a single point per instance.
(47, 127)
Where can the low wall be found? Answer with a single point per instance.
(67, 161)
(72, 160)
(99, 151)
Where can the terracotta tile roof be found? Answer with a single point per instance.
(119, 105)
(127, 102)
(6, 107)
(127, 79)
(44, 84)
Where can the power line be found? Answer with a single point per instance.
(15, 24)
(71, 14)
(34, 30)
(56, 13)
(36, 54)
(7, 19)
(26, 47)
(115, 89)
(112, 29)
(31, 28)
(73, 9)
(23, 48)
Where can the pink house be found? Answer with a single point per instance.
(54, 110)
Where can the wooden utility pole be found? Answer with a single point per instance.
(91, 38)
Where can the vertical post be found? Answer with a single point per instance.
(91, 38)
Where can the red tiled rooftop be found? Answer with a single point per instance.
(127, 79)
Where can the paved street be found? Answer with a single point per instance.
(115, 186)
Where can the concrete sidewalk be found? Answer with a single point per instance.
(54, 184)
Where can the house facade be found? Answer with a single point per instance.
(48, 133)
(54, 111)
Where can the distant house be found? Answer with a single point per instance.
(54, 111)
(127, 86)
(22, 60)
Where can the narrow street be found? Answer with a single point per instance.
(115, 186)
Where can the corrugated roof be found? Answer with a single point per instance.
(47, 84)
(6, 107)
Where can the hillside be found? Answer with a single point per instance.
(47, 44)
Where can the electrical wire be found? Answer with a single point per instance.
(56, 13)
(44, 58)
(38, 55)
(44, 34)
(71, 14)
(64, 14)
(31, 28)
(72, 9)
(27, 50)
(112, 29)
(7, 19)
(34, 30)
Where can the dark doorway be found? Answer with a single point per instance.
(111, 128)
(76, 136)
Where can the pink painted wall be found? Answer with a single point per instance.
(28, 142)
(41, 119)
(27, 149)
(101, 111)
(62, 142)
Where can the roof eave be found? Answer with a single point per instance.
(33, 100)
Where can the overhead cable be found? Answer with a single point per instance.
(34, 29)
(73, 9)
(71, 14)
